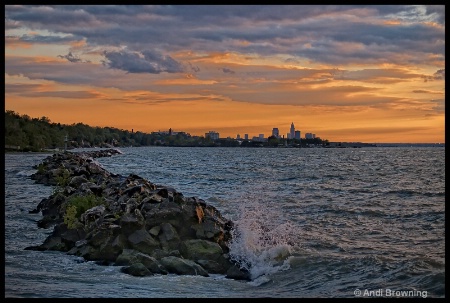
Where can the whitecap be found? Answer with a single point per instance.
(26, 173)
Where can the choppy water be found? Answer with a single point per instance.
(366, 219)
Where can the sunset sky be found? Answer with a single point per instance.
(344, 73)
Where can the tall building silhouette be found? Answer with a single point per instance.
(292, 133)
(275, 132)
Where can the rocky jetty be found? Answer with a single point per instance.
(128, 221)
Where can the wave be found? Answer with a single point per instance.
(261, 242)
(26, 173)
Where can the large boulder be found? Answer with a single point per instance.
(142, 241)
(168, 237)
(131, 256)
(183, 267)
(234, 272)
(76, 181)
(137, 269)
(102, 245)
(199, 249)
(131, 222)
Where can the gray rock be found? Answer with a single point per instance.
(142, 241)
(236, 273)
(129, 222)
(168, 236)
(200, 250)
(131, 256)
(183, 267)
(155, 231)
(76, 181)
(136, 269)
(212, 266)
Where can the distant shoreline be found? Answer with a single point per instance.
(345, 145)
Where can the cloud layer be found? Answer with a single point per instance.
(331, 34)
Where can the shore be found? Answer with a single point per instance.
(129, 221)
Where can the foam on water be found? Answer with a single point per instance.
(26, 173)
(261, 241)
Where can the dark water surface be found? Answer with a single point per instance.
(313, 223)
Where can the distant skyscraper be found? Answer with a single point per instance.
(238, 137)
(275, 132)
(246, 136)
(297, 134)
(292, 133)
(212, 134)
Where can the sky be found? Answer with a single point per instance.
(345, 73)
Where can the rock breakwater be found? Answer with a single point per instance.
(129, 221)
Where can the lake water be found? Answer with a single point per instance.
(355, 222)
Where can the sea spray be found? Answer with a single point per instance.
(261, 241)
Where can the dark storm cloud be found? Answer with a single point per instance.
(145, 62)
(324, 33)
(227, 70)
(46, 39)
(76, 74)
(48, 17)
(164, 62)
(438, 11)
(439, 75)
(72, 58)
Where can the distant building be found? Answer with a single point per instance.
(310, 136)
(170, 132)
(297, 135)
(275, 132)
(246, 136)
(292, 132)
(260, 138)
(238, 137)
(212, 135)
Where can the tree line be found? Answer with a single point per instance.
(37, 134)
(24, 133)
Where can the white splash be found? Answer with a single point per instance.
(118, 151)
(261, 242)
(26, 173)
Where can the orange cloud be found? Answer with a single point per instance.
(80, 44)
(12, 42)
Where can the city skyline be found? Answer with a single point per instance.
(292, 134)
(348, 73)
